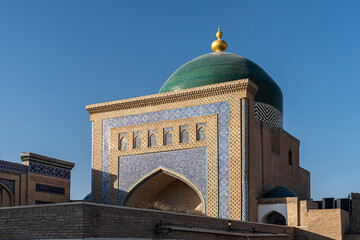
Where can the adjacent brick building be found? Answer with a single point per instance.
(38, 180)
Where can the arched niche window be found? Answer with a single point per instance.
(122, 141)
(290, 158)
(168, 136)
(184, 134)
(137, 139)
(152, 138)
(201, 131)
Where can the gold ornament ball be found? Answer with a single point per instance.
(219, 45)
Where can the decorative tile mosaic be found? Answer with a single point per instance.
(152, 131)
(212, 153)
(10, 184)
(168, 129)
(268, 114)
(222, 111)
(49, 170)
(190, 163)
(244, 159)
(13, 167)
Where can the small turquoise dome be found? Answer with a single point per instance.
(88, 197)
(279, 192)
(218, 67)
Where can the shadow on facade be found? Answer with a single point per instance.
(160, 190)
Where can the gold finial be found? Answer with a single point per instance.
(219, 34)
(219, 45)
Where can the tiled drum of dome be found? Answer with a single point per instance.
(222, 111)
(268, 114)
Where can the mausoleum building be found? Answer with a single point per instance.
(211, 140)
(38, 180)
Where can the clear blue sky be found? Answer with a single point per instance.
(56, 57)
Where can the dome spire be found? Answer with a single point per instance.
(219, 45)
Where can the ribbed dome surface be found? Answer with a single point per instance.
(218, 67)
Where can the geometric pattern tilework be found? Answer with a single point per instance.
(189, 163)
(268, 114)
(10, 184)
(244, 159)
(49, 170)
(222, 111)
(211, 145)
(51, 181)
(13, 167)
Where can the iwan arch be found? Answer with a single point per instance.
(165, 187)
(211, 140)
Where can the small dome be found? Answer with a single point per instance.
(88, 197)
(279, 192)
(218, 67)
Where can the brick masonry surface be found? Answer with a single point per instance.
(222, 202)
(355, 214)
(10, 184)
(88, 220)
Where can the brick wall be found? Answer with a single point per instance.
(355, 214)
(332, 223)
(89, 220)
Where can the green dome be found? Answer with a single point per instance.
(88, 197)
(218, 67)
(279, 192)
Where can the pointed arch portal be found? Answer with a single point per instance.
(274, 217)
(167, 188)
(6, 196)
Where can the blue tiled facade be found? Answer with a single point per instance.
(190, 164)
(244, 159)
(49, 170)
(13, 167)
(35, 168)
(222, 111)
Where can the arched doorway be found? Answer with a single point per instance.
(6, 197)
(274, 217)
(166, 191)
